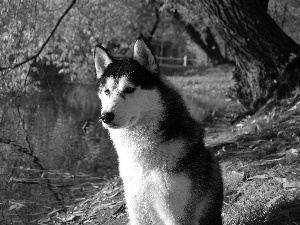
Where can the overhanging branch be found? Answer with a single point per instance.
(35, 56)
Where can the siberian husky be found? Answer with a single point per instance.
(169, 177)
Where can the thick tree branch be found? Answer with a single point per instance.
(209, 46)
(157, 20)
(213, 52)
(35, 56)
(29, 151)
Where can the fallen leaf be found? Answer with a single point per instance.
(292, 184)
(239, 125)
(280, 180)
(281, 133)
(263, 176)
(293, 108)
(291, 155)
(273, 201)
(15, 205)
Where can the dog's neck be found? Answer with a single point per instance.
(142, 143)
(144, 132)
(140, 150)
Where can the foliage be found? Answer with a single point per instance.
(206, 94)
(25, 25)
(19, 38)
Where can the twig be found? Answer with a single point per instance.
(34, 57)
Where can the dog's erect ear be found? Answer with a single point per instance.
(143, 55)
(102, 60)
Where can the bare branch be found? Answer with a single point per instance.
(285, 9)
(35, 56)
(157, 20)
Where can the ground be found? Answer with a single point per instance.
(259, 156)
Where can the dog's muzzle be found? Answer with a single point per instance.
(107, 117)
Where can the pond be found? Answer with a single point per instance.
(52, 152)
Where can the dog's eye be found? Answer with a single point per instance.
(129, 90)
(106, 92)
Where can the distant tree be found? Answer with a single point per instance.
(19, 39)
(27, 29)
(114, 24)
(268, 61)
(194, 26)
(27, 39)
(204, 39)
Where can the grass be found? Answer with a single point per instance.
(259, 157)
(262, 198)
(206, 94)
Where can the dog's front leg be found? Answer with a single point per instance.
(138, 219)
(172, 202)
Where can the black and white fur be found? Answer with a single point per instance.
(169, 177)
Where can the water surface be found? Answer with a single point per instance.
(48, 160)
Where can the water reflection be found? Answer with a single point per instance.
(47, 161)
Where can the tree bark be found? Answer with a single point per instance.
(267, 59)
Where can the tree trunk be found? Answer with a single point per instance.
(267, 60)
(209, 45)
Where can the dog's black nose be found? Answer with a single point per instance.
(107, 117)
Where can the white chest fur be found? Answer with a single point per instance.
(152, 194)
(140, 150)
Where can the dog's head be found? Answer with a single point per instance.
(126, 87)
